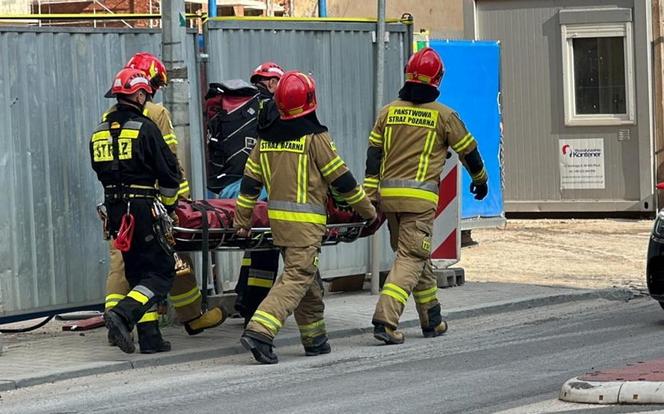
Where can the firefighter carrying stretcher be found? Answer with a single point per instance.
(296, 161)
(407, 150)
(236, 113)
(185, 295)
(129, 155)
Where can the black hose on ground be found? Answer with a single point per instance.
(28, 329)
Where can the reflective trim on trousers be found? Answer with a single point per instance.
(267, 320)
(150, 316)
(112, 300)
(394, 291)
(426, 295)
(185, 299)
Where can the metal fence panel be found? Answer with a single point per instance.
(52, 84)
(341, 57)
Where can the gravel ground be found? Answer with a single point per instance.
(576, 253)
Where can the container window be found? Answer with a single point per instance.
(597, 69)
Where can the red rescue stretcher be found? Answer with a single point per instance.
(207, 225)
(211, 221)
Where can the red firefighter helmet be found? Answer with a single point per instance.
(267, 70)
(152, 66)
(425, 67)
(295, 95)
(129, 81)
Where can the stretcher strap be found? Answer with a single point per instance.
(205, 249)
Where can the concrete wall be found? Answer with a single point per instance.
(14, 6)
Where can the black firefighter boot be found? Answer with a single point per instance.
(149, 338)
(119, 332)
(436, 326)
(319, 345)
(260, 346)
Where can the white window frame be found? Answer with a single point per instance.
(576, 31)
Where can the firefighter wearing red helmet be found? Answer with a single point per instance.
(130, 157)
(234, 143)
(296, 160)
(185, 295)
(407, 150)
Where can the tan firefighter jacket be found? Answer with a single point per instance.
(407, 150)
(160, 116)
(297, 174)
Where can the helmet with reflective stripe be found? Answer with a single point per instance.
(296, 95)
(152, 66)
(267, 70)
(129, 81)
(425, 67)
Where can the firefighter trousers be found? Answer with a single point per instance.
(149, 269)
(297, 290)
(184, 295)
(257, 274)
(411, 272)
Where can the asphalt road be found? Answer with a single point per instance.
(511, 363)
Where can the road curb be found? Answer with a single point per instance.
(177, 357)
(612, 392)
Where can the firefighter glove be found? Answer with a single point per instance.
(480, 190)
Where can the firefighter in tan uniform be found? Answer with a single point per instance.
(407, 150)
(296, 161)
(185, 294)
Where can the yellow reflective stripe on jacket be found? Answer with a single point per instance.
(129, 133)
(386, 147)
(253, 167)
(357, 197)
(297, 216)
(267, 174)
(332, 166)
(302, 178)
(151, 316)
(101, 135)
(409, 192)
(184, 188)
(425, 156)
(426, 295)
(370, 182)
(267, 320)
(480, 177)
(462, 145)
(388, 139)
(246, 202)
(170, 139)
(392, 290)
(376, 138)
(246, 261)
(187, 298)
(169, 201)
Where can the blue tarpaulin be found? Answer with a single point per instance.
(471, 86)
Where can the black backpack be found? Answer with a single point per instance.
(232, 111)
